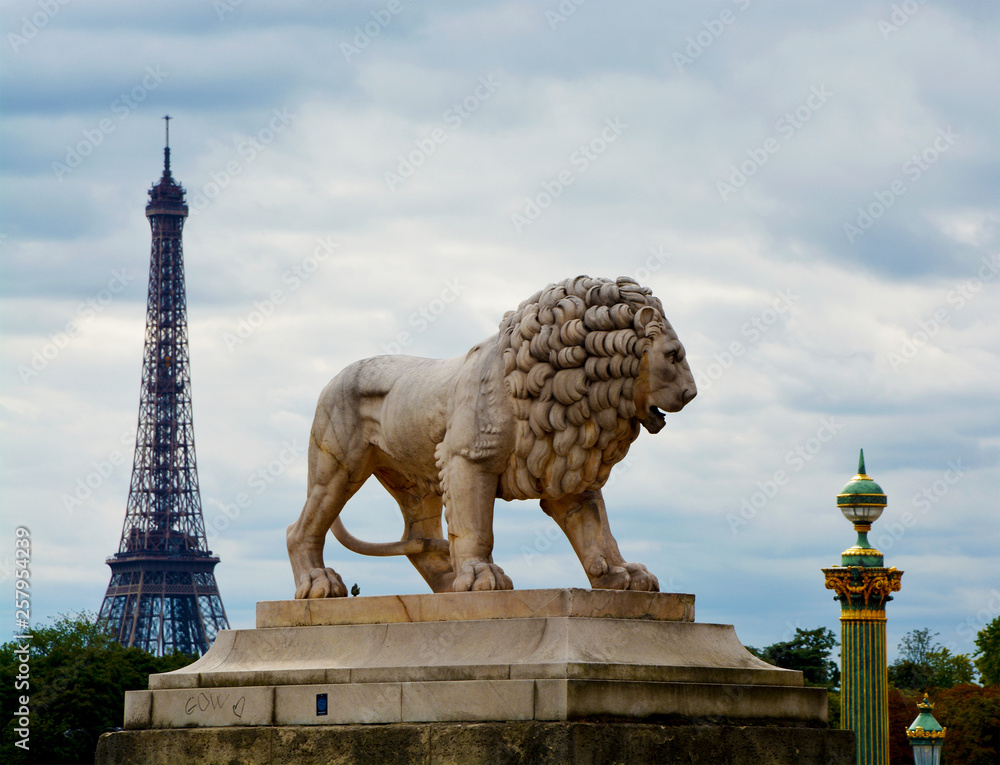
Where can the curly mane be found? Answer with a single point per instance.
(571, 356)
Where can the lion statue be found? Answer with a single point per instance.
(542, 410)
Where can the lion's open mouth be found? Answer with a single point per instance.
(654, 420)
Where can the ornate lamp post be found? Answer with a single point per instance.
(862, 585)
(926, 736)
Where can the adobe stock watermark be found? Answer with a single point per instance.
(582, 158)
(44, 355)
(913, 170)
(22, 654)
(562, 13)
(6, 568)
(969, 627)
(958, 297)
(293, 278)
(786, 127)
(258, 482)
(121, 108)
(32, 25)
(923, 500)
(453, 117)
(657, 258)
(703, 40)
(422, 318)
(899, 16)
(795, 459)
(224, 7)
(442, 642)
(753, 329)
(102, 470)
(933, 493)
(365, 33)
(248, 149)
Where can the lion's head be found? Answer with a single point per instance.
(586, 362)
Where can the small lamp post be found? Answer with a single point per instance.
(863, 585)
(926, 736)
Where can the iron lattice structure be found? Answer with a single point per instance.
(163, 596)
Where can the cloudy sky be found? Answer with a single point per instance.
(810, 188)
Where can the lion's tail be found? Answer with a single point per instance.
(403, 547)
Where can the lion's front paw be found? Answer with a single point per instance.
(479, 575)
(628, 576)
(641, 579)
(321, 583)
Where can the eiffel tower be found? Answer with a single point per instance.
(163, 596)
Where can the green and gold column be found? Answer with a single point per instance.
(863, 584)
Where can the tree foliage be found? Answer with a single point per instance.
(972, 715)
(987, 655)
(78, 679)
(809, 653)
(916, 645)
(923, 664)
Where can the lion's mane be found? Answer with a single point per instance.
(571, 355)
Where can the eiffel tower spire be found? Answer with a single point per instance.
(163, 596)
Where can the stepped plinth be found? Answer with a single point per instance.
(522, 665)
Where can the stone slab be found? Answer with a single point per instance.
(212, 707)
(654, 673)
(468, 700)
(473, 701)
(529, 648)
(595, 698)
(465, 606)
(497, 743)
(138, 710)
(369, 703)
(551, 699)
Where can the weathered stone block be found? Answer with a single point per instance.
(492, 743)
(468, 700)
(138, 709)
(464, 606)
(368, 703)
(212, 707)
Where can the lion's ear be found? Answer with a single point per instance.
(643, 316)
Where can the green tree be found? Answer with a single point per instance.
(78, 678)
(951, 669)
(809, 653)
(917, 645)
(987, 653)
(923, 663)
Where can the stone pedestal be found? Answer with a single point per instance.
(463, 677)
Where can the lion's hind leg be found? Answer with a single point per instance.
(330, 486)
(422, 516)
(435, 565)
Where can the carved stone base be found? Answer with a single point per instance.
(528, 656)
